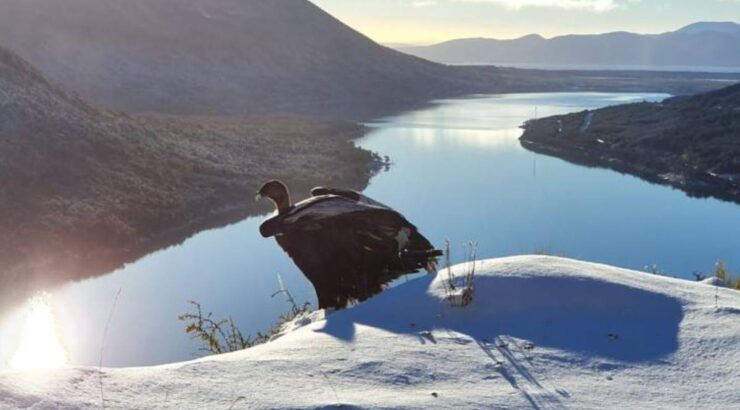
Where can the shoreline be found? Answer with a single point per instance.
(693, 182)
(100, 262)
(52, 259)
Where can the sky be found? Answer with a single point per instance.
(433, 21)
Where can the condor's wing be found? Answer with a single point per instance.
(347, 193)
(350, 250)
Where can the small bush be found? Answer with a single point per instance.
(217, 337)
(698, 276)
(721, 273)
(654, 269)
(223, 336)
(295, 311)
(460, 290)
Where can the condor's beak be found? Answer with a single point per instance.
(257, 197)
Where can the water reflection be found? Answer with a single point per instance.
(430, 138)
(40, 346)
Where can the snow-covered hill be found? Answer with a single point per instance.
(542, 332)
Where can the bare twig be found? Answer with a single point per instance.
(102, 347)
(331, 386)
(461, 294)
(237, 400)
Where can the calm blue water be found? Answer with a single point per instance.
(459, 173)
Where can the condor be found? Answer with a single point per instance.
(349, 246)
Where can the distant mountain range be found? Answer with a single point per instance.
(222, 56)
(236, 57)
(701, 46)
(690, 142)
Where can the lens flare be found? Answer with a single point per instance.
(40, 346)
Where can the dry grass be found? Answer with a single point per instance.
(216, 336)
(224, 336)
(722, 273)
(460, 290)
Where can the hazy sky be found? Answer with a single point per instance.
(429, 21)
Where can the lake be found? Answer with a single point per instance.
(458, 173)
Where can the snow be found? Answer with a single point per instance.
(714, 281)
(541, 332)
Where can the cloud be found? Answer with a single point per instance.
(587, 5)
(423, 3)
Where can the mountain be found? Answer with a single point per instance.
(221, 56)
(727, 27)
(84, 189)
(691, 143)
(229, 57)
(700, 45)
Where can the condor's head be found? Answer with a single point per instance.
(278, 193)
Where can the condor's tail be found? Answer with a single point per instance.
(420, 254)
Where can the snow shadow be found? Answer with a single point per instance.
(575, 314)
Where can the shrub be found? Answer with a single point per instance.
(698, 276)
(460, 290)
(721, 273)
(223, 336)
(654, 269)
(220, 336)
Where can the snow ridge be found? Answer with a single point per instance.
(542, 332)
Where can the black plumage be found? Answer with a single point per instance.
(349, 246)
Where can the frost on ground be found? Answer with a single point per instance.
(541, 332)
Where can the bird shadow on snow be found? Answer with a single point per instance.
(579, 315)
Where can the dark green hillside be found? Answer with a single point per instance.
(692, 143)
(83, 189)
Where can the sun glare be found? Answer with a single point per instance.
(40, 346)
